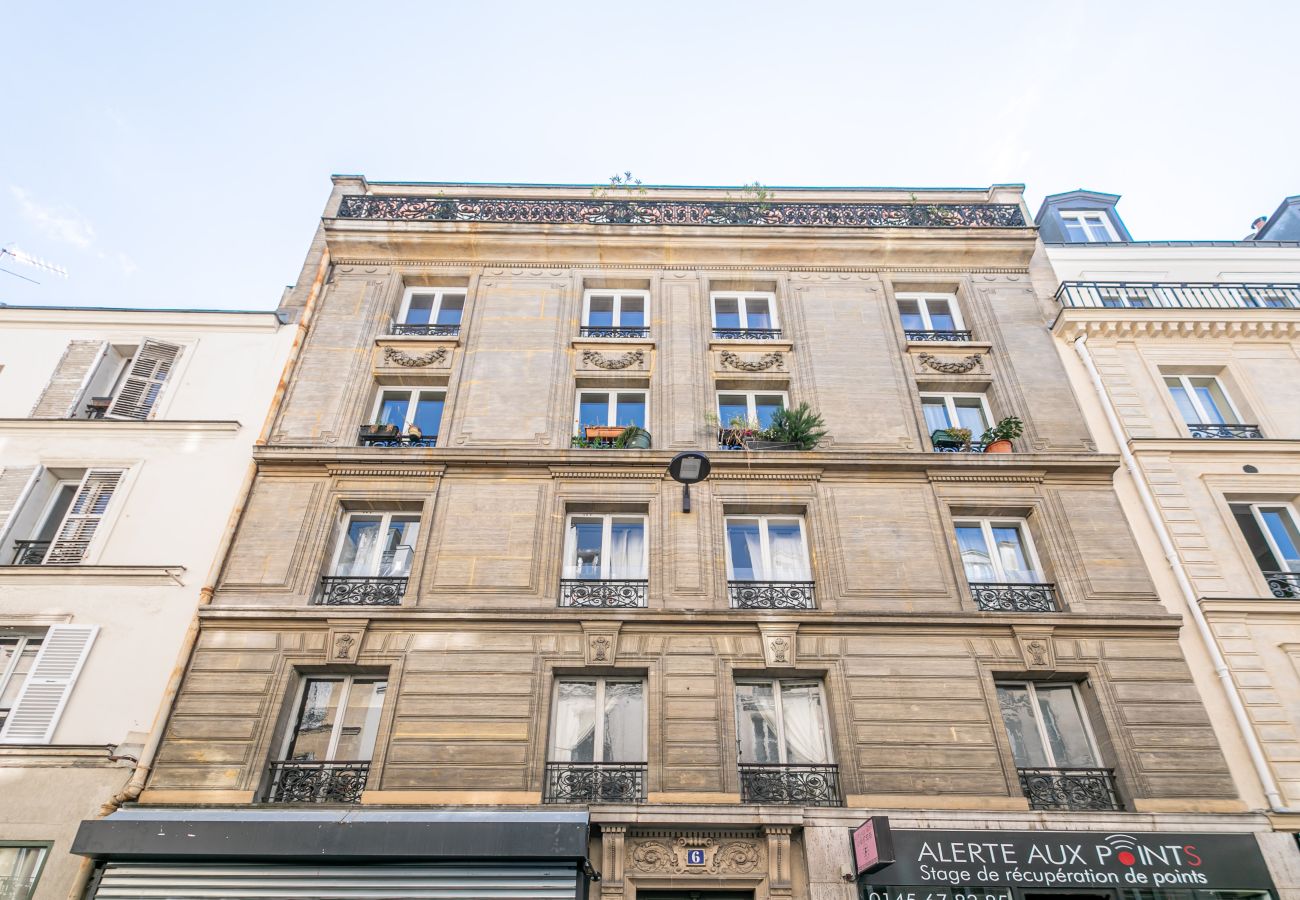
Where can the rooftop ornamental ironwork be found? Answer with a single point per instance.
(1171, 295)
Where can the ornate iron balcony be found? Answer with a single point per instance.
(1284, 585)
(747, 334)
(1216, 431)
(1083, 789)
(912, 335)
(1015, 597)
(796, 785)
(426, 330)
(615, 593)
(956, 447)
(1173, 295)
(367, 590)
(572, 782)
(597, 211)
(376, 439)
(309, 781)
(29, 553)
(606, 331)
(771, 594)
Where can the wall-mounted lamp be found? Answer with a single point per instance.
(689, 468)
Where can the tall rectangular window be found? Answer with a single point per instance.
(745, 312)
(605, 547)
(598, 720)
(753, 407)
(20, 868)
(1201, 400)
(407, 409)
(997, 551)
(781, 722)
(17, 653)
(1271, 532)
(944, 411)
(376, 545)
(338, 718)
(1046, 726)
(433, 306)
(929, 312)
(767, 548)
(611, 408)
(37, 673)
(615, 313)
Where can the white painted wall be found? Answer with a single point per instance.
(1093, 262)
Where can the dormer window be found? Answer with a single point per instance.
(1087, 227)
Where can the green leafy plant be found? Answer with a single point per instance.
(800, 425)
(633, 437)
(960, 435)
(1008, 429)
(626, 183)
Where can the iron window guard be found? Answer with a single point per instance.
(361, 590)
(609, 593)
(425, 330)
(602, 782)
(1170, 295)
(992, 596)
(1076, 789)
(1284, 585)
(812, 785)
(376, 439)
(935, 335)
(30, 553)
(609, 331)
(771, 594)
(311, 781)
(747, 334)
(1220, 431)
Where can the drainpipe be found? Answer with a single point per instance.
(1185, 588)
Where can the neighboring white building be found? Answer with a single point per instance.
(125, 439)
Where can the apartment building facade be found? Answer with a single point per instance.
(470, 636)
(125, 436)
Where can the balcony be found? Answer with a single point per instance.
(793, 785)
(942, 442)
(401, 328)
(309, 781)
(771, 594)
(747, 334)
(389, 436)
(29, 553)
(364, 590)
(911, 335)
(608, 331)
(1171, 295)
(1221, 432)
(1015, 597)
(603, 593)
(1284, 585)
(1076, 789)
(572, 782)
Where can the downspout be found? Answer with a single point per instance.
(1185, 588)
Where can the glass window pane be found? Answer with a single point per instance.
(575, 722)
(974, 554)
(1011, 554)
(624, 722)
(358, 551)
(361, 720)
(399, 546)
(1098, 230)
(743, 541)
(757, 313)
(1074, 231)
(451, 310)
(970, 414)
(805, 724)
(58, 509)
(726, 313)
(732, 407)
(1259, 548)
(593, 409)
(936, 414)
(428, 414)
(601, 312)
(585, 537)
(627, 550)
(632, 312)
(393, 407)
(909, 311)
(1063, 722)
(18, 868)
(1022, 728)
(941, 318)
(419, 310)
(1213, 401)
(1182, 401)
(789, 559)
(311, 734)
(766, 406)
(631, 410)
(12, 687)
(756, 729)
(1282, 527)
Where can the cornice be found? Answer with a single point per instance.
(1244, 449)
(549, 268)
(1179, 324)
(1252, 607)
(388, 471)
(164, 321)
(88, 428)
(78, 574)
(1002, 478)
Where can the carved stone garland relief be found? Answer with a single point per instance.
(767, 361)
(622, 361)
(397, 357)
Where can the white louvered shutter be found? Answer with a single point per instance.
(150, 367)
(84, 515)
(49, 683)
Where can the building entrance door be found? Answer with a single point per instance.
(695, 895)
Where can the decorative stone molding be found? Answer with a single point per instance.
(779, 644)
(779, 879)
(961, 367)
(724, 854)
(344, 642)
(1037, 651)
(397, 357)
(763, 363)
(1179, 324)
(622, 361)
(600, 642)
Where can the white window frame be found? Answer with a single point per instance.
(765, 543)
(439, 294)
(1042, 729)
(611, 406)
(41, 850)
(618, 296)
(776, 683)
(751, 403)
(598, 749)
(742, 299)
(950, 407)
(347, 681)
(1185, 380)
(7, 673)
(385, 521)
(986, 527)
(922, 299)
(43, 518)
(1257, 514)
(1078, 215)
(606, 541)
(412, 403)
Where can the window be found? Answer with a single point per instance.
(929, 312)
(37, 673)
(605, 547)
(944, 411)
(20, 867)
(745, 313)
(598, 720)
(1046, 726)
(338, 719)
(407, 409)
(997, 551)
(781, 723)
(139, 383)
(752, 407)
(376, 545)
(767, 548)
(611, 408)
(1201, 400)
(60, 517)
(1271, 533)
(432, 310)
(1117, 297)
(17, 653)
(615, 313)
(1089, 227)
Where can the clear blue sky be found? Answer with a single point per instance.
(179, 154)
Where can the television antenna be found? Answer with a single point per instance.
(22, 256)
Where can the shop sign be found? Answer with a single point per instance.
(873, 846)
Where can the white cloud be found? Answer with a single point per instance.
(59, 223)
(127, 263)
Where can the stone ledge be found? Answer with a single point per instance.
(80, 427)
(23, 575)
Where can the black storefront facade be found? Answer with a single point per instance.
(295, 854)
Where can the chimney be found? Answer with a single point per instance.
(1255, 226)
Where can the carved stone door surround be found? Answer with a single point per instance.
(639, 858)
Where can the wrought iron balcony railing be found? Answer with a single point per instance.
(948, 445)
(600, 211)
(607, 331)
(747, 334)
(1284, 585)
(771, 594)
(1218, 431)
(363, 590)
(612, 593)
(309, 781)
(425, 330)
(572, 782)
(1015, 597)
(1177, 295)
(1081, 789)
(935, 335)
(381, 439)
(795, 785)
(29, 553)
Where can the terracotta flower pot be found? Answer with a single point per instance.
(603, 432)
(998, 447)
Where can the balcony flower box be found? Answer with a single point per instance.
(752, 444)
(602, 432)
(379, 433)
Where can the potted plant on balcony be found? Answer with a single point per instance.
(956, 438)
(602, 432)
(633, 437)
(998, 438)
(379, 431)
(800, 428)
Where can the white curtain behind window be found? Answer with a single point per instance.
(805, 735)
(789, 562)
(575, 722)
(627, 551)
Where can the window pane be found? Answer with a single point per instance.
(1063, 721)
(1011, 554)
(974, 554)
(631, 410)
(756, 730)
(601, 312)
(361, 720)
(1074, 231)
(1213, 401)
(358, 551)
(1282, 527)
(624, 722)
(909, 311)
(732, 407)
(726, 313)
(805, 724)
(936, 413)
(418, 312)
(24, 665)
(399, 546)
(593, 409)
(1255, 539)
(1182, 401)
(311, 734)
(428, 414)
(766, 406)
(757, 313)
(743, 540)
(575, 722)
(632, 312)
(789, 560)
(393, 407)
(1098, 230)
(451, 310)
(627, 553)
(1022, 727)
(62, 500)
(585, 536)
(970, 414)
(18, 868)
(941, 318)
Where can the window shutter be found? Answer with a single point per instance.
(150, 367)
(45, 692)
(60, 398)
(15, 485)
(78, 527)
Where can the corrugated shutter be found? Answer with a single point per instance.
(524, 881)
(61, 396)
(45, 692)
(83, 517)
(150, 367)
(15, 486)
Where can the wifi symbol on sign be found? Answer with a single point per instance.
(1123, 845)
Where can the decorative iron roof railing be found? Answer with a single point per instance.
(1171, 295)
